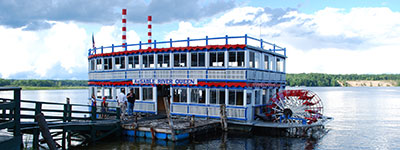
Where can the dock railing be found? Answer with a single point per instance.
(247, 40)
(10, 118)
(19, 116)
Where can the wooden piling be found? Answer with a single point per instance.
(171, 124)
(224, 124)
(45, 131)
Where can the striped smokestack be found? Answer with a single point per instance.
(123, 27)
(149, 29)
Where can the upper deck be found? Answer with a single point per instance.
(230, 59)
(188, 44)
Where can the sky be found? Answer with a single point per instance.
(49, 39)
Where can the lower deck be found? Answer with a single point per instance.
(242, 104)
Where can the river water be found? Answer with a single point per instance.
(364, 118)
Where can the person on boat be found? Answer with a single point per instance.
(104, 105)
(93, 100)
(122, 103)
(131, 101)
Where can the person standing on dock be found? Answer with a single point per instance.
(122, 103)
(131, 101)
(104, 105)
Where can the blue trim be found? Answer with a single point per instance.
(245, 37)
(139, 101)
(187, 114)
(188, 68)
(152, 112)
(260, 105)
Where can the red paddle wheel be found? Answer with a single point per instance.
(295, 106)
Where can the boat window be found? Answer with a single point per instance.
(99, 64)
(265, 96)
(279, 65)
(235, 97)
(108, 64)
(257, 60)
(198, 96)
(135, 91)
(249, 99)
(163, 60)
(99, 93)
(148, 94)
(217, 59)
(257, 97)
(251, 59)
(179, 95)
(119, 62)
(236, 59)
(271, 62)
(180, 60)
(133, 62)
(198, 59)
(148, 61)
(217, 96)
(92, 65)
(271, 93)
(266, 62)
(108, 93)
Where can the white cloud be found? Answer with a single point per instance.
(63, 47)
(362, 40)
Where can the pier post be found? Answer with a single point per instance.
(224, 124)
(38, 110)
(45, 131)
(171, 124)
(94, 113)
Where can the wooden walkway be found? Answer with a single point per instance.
(66, 122)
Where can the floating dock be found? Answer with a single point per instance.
(159, 129)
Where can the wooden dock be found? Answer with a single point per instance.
(159, 128)
(65, 122)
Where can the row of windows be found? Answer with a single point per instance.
(198, 95)
(216, 59)
(108, 93)
(217, 96)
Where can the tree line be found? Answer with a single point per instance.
(321, 79)
(42, 83)
(301, 79)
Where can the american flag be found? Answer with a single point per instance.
(93, 41)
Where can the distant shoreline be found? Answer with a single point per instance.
(52, 88)
(342, 80)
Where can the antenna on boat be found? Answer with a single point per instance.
(149, 30)
(123, 27)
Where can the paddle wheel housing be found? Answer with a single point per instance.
(301, 106)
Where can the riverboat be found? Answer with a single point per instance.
(243, 73)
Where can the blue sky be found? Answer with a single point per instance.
(48, 39)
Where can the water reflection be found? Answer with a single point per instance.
(224, 141)
(365, 118)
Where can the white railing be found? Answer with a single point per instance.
(179, 74)
(193, 74)
(147, 74)
(197, 74)
(236, 74)
(216, 74)
(132, 74)
(181, 109)
(144, 106)
(214, 111)
(238, 113)
(198, 110)
(163, 74)
(118, 75)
